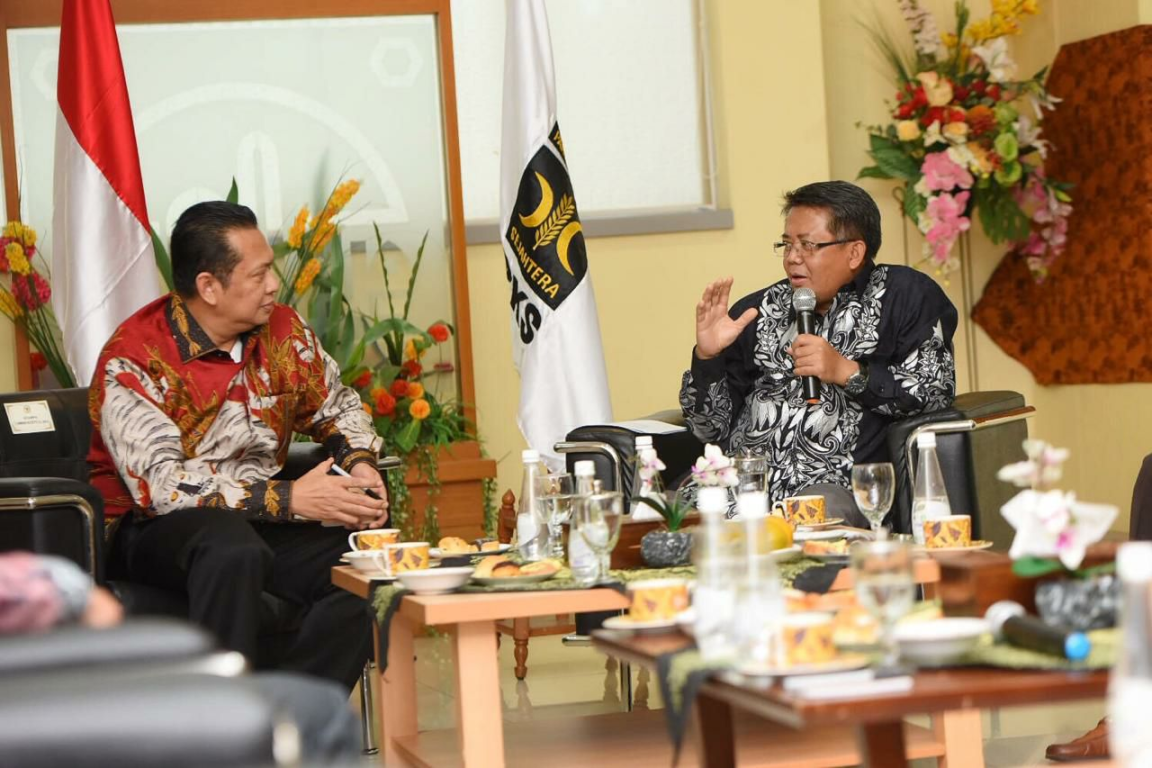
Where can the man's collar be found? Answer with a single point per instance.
(192, 340)
(860, 282)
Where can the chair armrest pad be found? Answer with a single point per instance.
(133, 642)
(13, 487)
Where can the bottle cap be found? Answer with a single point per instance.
(529, 455)
(1134, 561)
(1077, 646)
(926, 440)
(585, 468)
(712, 500)
(643, 441)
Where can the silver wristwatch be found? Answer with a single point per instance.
(858, 381)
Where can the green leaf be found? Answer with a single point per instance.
(163, 261)
(879, 143)
(407, 436)
(233, 193)
(415, 271)
(896, 163)
(873, 172)
(914, 203)
(1032, 567)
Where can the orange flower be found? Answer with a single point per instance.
(38, 360)
(323, 236)
(362, 380)
(296, 234)
(385, 403)
(980, 119)
(411, 369)
(419, 409)
(367, 408)
(439, 332)
(415, 390)
(399, 388)
(307, 275)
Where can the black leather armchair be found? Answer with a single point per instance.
(979, 434)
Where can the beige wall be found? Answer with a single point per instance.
(1105, 426)
(771, 136)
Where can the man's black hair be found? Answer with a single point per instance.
(852, 211)
(200, 243)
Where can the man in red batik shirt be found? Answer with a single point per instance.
(193, 403)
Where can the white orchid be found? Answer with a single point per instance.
(714, 469)
(1055, 524)
(1028, 134)
(933, 135)
(1040, 471)
(994, 55)
(650, 465)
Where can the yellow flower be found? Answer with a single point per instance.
(17, 261)
(411, 352)
(908, 130)
(323, 236)
(981, 163)
(957, 132)
(307, 275)
(340, 197)
(22, 232)
(296, 234)
(415, 390)
(9, 306)
(419, 409)
(936, 88)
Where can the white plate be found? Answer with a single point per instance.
(820, 526)
(686, 620)
(438, 553)
(841, 663)
(830, 557)
(973, 547)
(628, 625)
(786, 555)
(438, 582)
(940, 640)
(508, 581)
(830, 535)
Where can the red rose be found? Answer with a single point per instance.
(29, 296)
(412, 369)
(979, 87)
(934, 115)
(956, 115)
(39, 362)
(960, 93)
(385, 403)
(919, 98)
(399, 388)
(439, 332)
(362, 380)
(994, 92)
(904, 112)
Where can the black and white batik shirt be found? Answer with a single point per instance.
(749, 401)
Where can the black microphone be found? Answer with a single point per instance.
(804, 302)
(1008, 620)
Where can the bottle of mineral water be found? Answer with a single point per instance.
(642, 487)
(714, 599)
(531, 531)
(1130, 686)
(581, 559)
(929, 496)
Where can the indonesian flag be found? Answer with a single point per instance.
(103, 265)
(555, 330)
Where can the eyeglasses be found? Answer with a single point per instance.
(783, 248)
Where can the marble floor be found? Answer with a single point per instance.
(566, 681)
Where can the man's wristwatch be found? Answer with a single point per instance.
(858, 381)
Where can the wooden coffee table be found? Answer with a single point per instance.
(878, 720)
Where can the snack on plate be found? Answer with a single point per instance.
(454, 545)
(485, 567)
(506, 569)
(838, 547)
(543, 566)
(490, 546)
(796, 601)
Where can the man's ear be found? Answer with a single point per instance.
(208, 288)
(856, 255)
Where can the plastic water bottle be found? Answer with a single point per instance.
(581, 559)
(641, 487)
(531, 531)
(929, 496)
(714, 599)
(1130, 686)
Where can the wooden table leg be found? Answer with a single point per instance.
(717, 736)
(478, 706)
(396, 697)
(520, 635)
(962, 732)
(881, 744)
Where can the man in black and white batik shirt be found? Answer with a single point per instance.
(882, 351)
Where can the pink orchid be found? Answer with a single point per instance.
(943, 174)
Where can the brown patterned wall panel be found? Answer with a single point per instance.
(1091, 321)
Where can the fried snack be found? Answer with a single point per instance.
(838, 547)
(490, 546)
(796, 601)
(543, 566)
(485, 567)
(455, 545)
(505, 570)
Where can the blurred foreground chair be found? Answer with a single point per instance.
(47, 506)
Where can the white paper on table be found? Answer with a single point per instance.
(649, 427)
(851, 690)
(644, 513)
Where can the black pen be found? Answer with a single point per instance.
(368, 491)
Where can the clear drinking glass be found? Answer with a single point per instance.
(556, 495)
(597, 520)
(751, 474)
(874, 486)
(884, 586)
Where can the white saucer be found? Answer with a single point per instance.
(437, 553)
(786, 555)
(974, 546)
(841, 663)
(829, 535)
(628, 625)
(820, 526)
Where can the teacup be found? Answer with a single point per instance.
(800, 510)
(806, 638)
(377, 538)
(406, 556)
(948, 531)
(657, 599)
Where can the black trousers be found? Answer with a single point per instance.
(223, 563)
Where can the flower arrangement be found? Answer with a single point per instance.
(965, 138)
(713, 469)
(26, 299)
(1053, 529)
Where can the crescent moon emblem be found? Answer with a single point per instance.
(562, 242)
(536, 218)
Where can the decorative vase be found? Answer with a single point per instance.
(665, 549)
(1079, 604)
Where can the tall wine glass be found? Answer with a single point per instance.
(556, 494)
(884, 586)
(597, 519)
(874, 486)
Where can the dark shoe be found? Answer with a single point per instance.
(1091, 746)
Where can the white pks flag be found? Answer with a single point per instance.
(103, 266)
(555, 330)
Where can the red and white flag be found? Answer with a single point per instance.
(103, 267)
